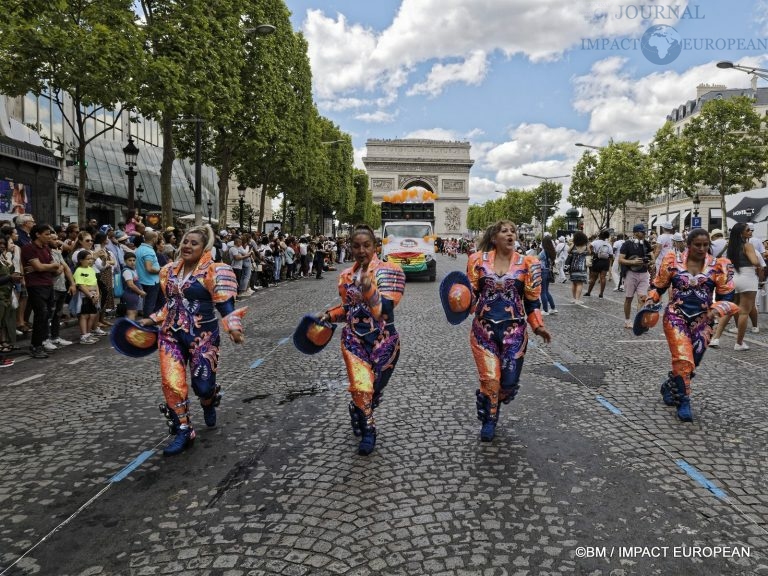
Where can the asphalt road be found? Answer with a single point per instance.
(589, 473)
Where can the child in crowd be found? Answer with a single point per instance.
(133, 293)
(87, 286)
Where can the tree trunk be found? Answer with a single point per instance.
(724, 226)
(262, 202)
(225, 164)
(82, 182)
(166, 171)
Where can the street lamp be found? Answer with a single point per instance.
(131, 154)
(210, 210)
(292, 218)
(546, 204)
(139, 196)
(260, 29)
(759, 72)
(241, 194)
(588, 146)
(696, 204)
(572, 219)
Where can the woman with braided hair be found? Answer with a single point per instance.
(195, 287)
(693, 276)
(506, 287)
(370, 344)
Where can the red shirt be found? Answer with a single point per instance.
(43, 255)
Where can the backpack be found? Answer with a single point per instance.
(578, 261)
(604, 252)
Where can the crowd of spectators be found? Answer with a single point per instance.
(53, 273)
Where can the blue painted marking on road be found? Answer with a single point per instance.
(258, 363)
(283, 341)
(701, 479)
(140, 459)
(608, 405)
(561, 367)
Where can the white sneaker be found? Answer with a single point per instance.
(731, 330)
(740, 347)
(98, 332)
(61, 342)
(49, 346)
(627, 323)
(714, 343)
(755, 329)
(87, 339)
(544, 313)
(553, 311)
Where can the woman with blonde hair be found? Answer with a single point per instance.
(194, 287)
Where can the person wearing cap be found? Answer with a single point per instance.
(194, 287)
(663, 245)
(370, 290)
(506, 287)
(678, 242)
(718, 243)
(701, 288)
(635, 257)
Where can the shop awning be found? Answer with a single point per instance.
(684, 216)
(652, 221)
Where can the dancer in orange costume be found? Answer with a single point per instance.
(194, 287)
(370, 344)
(694, 276)
(506, 287)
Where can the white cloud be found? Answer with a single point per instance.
(341, 104)
(624, 107)
(433, 134)
(471, 71)
(358, 155)
(346, 57)
(483, 189)
(378, 117)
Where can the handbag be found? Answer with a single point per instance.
(14, 299)
(75, 303)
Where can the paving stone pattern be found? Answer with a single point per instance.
(277, 487)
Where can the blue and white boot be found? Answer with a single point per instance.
(209, 411)
(667, 394)
(368, 436)
(184, 437)
(684, 411)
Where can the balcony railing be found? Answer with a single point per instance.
(28, 155)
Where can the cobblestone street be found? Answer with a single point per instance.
(587, 461)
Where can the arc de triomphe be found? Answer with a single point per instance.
(439, 166)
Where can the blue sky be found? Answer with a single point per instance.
(515, 78)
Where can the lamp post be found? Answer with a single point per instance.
(572, 219)
(139, 197)
(546, 204)
(758, 72)
(581, 145)
(696, 204)
(292, 218)
(210, 210)
(131, 154)
(241, 201)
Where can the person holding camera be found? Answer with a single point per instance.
(635, 258)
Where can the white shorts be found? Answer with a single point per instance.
(745, 280)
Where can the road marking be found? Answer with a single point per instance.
(77, 361)
(638, 341)
(694, 473)
(138, 461)
(561, 367)
(258, 363)
(283, 341)
(608, 405)
(35, 377)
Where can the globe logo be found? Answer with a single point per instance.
(661, 44)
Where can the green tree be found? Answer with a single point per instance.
(89, 52)
(725, 146)
(606, 181)
(194, 54)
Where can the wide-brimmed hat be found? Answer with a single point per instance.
(716, 232)
(132, 339)
(456, 296)
(311, 335)
(666, 226)
(647, 317)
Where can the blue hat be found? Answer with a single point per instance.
(456, 300)
(311, 335)
(130, 338)
(104, 228)
(638, 228)
(646, 318)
